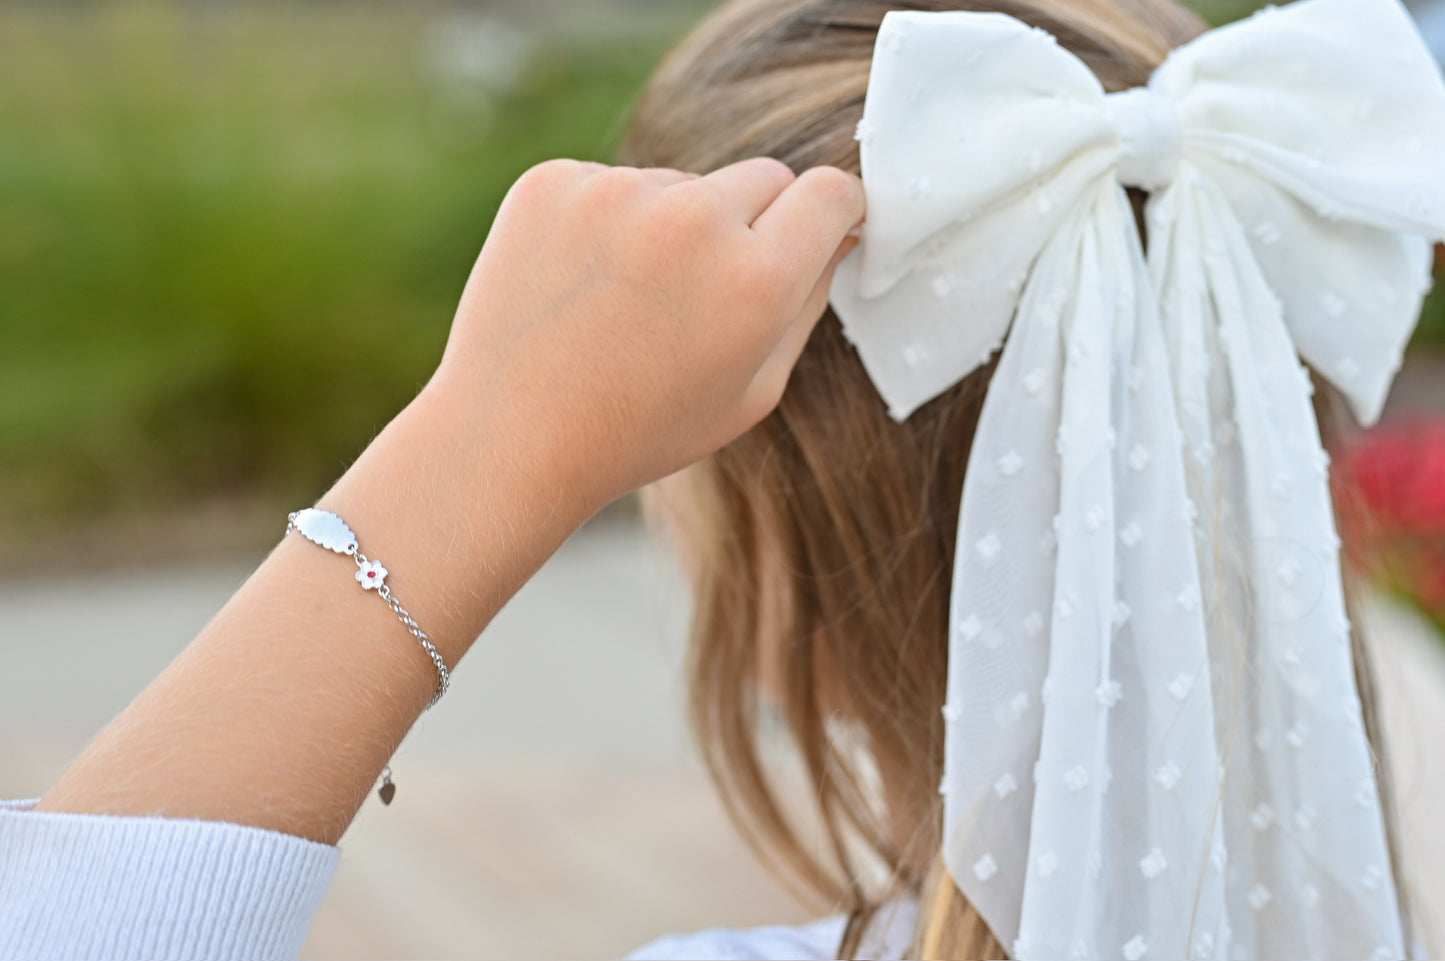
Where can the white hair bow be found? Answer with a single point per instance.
(1154, 737)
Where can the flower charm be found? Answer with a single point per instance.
(370, 574)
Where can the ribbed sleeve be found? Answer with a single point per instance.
(92, 886)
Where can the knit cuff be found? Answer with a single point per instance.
(98, 886)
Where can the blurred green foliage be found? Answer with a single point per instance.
(232, 236)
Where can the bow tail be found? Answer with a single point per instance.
(1299, 787)
(1086, 369)
(1150, 753)
(999, 608)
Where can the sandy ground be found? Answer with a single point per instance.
(551, 806)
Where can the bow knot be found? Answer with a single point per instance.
(1100, 799)
(1150, 137)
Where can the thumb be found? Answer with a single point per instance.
(772, 378)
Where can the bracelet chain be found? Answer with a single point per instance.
(329, 531)
(443, 675)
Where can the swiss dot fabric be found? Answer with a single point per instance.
(1154, 739)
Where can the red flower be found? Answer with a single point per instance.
(1390, 497)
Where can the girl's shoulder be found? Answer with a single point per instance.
(886, 939)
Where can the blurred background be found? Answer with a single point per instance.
(231, 239)
(234, 234)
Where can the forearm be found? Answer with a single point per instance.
(284, 709)
(618, 325)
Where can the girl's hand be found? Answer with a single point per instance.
(636, 320)
(618, 325)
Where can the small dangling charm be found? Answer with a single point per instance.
(387, 791)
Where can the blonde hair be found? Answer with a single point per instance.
(854, 514)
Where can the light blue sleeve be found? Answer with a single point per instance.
(887, 938)
(93, 886)
(810, 942)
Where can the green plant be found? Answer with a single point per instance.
(233, 236)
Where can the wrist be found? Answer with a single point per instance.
(460, 509)
(532, 437)
(285, 708)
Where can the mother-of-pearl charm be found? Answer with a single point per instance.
(326, 529)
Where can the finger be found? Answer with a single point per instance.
(773, 375)
(551, 175)
(656, 176)
(809, 219)
(586, 168)
(749, 186)
(817, 300)
(666, 176)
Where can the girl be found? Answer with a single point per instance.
(620, 325)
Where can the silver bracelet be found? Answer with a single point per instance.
(331, 532)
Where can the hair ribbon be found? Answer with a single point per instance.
(1154, 738)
